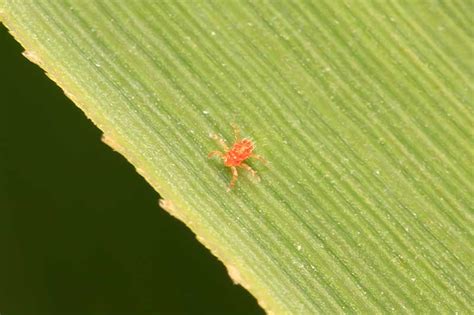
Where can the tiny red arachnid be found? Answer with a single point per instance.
(235, 157)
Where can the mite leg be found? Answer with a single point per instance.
(235, 175)
(259, 157)
(220, 141)
(250, 170)
(218, 153)
(236, 132)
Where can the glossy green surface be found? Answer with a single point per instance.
(364, 113)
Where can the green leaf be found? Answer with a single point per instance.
(362, 109)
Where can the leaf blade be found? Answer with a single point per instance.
(352, 197)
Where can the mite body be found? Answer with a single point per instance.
(239, 152)
(235, 157)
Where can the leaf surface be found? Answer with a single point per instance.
(362, 109)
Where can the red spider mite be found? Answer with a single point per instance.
(235, 157)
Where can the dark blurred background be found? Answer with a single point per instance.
(80, 230)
